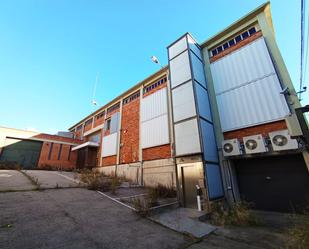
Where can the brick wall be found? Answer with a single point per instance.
(64, 162)
(109, 160)
(236, 46)
(98, 122)
(263, 129)
(158, 152)
(129, 138)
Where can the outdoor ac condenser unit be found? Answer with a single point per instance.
(281, 140)
(254, 144)
(231, 147)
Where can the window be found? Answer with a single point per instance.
(131, 98)
(95, 138)
(245, 35)
(252, 31)
(88, 122)
(50, 150)
(233, 41)
(225, 45)
(113, 108)
(238, 38)
(100, 115)
(79, 128)
(59, 153)
(154, 85)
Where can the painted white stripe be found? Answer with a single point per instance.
(132, 196)
(119, 202)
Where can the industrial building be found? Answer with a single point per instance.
(221, 116)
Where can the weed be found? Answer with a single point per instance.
(161, 191)
(10, 165)
(299, 236)
(114, 184)
(95, 180)
(237, 214)
(141, 206)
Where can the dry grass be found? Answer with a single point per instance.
(142, 206)
(238, 214)
(99, 181)
(161, 191)
(10, 165)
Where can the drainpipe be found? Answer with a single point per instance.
(118, 138)
(140, 150)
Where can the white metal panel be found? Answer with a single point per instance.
(203, 102)
(109, 147)
(252, 104)
(209, 142)
(154, 105)
(187, 138)
(180, 69)
(198, 69)
(155, 132)
(194, 47)
(183, 102)
(177, 48)
(244, 66)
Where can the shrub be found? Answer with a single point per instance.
(238, 214)
(161, 191)
(95, 180)
(299, 236)
(10, 165)
(141, 206)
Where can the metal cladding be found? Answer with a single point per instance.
(193, 127)
(247, 87)
(154, 118)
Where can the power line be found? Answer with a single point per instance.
(302, 27)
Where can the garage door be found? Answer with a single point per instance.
(278, 183)
(25, 153)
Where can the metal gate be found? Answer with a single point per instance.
(25, 153)
(279, 183)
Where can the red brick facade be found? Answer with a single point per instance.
(98, 121)
(158, 152)
(263, 129)
(65, 160)
(109, 160)
(129, 139)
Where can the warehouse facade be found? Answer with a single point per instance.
(218, 116)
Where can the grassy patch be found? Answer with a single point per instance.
(99, 181)
(238, 214)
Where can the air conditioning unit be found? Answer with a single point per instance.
(254, 144)
(231, 147)
(281, 140)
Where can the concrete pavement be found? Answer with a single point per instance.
(13, 180)
(77, 218)
(54, 179)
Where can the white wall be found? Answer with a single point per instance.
(247, 88)
(154, 118)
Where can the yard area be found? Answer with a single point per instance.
(64, 214)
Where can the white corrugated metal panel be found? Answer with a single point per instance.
(155, 132)
(198, 69)
(252, 104)
(209, 142)
(154, 105)
(203, 102)
(180, 69)
(183, 102)
(177, 48)
(247, 88)
(187, 139)
(109, 147)
(241, 67)
(193, 46)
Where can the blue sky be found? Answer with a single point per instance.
(51, 50)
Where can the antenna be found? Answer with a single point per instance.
(93, 101)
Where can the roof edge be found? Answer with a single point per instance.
(122, 95)
(235, 24)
